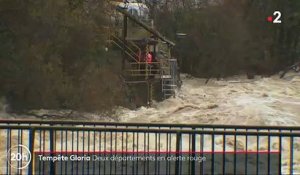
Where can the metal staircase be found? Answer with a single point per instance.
(169, 77)
(131, 49)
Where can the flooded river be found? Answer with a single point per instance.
(236, 100)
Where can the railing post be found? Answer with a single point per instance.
(280, 152)
(51, 140)
(269, 152)
(291, 154)
(31, 149)
(193, 152)
(178, 142)
(201, 152)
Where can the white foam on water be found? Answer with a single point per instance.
(263, 101)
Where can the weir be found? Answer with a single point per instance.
(140, 148)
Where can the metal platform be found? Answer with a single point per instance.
(136, 69)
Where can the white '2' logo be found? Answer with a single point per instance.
(277, 19)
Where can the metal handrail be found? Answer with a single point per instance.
(133, 55)
(145, 63)
(146, 69)
(125, 51)
(52, 140)
(142, 130)
(132, 124)
(134, 45)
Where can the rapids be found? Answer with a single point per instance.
(236, 100)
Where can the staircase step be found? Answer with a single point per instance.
(169, 90)
(168, 82)
(170, 85)
(166, 76)
(169, 95)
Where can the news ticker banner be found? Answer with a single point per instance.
(158, 162)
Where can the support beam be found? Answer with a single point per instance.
(145, 26)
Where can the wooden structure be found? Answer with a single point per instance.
(161, 70)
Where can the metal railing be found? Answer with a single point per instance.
(129, 47)
(221, 149)
(144, 69)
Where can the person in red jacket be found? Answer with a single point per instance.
(149, 58)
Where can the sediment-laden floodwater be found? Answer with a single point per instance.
(236, 100)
